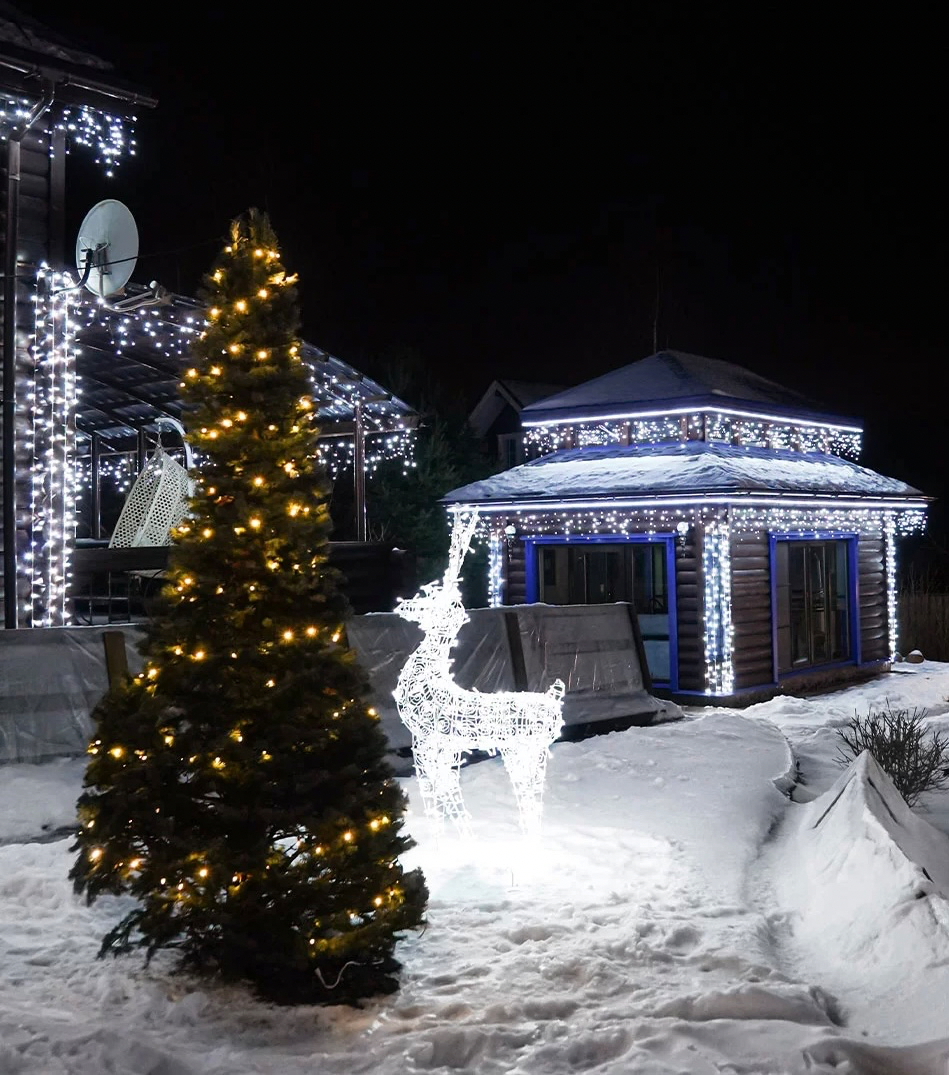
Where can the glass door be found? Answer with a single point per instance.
(597, 573)
(813, 603)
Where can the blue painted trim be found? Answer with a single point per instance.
(530, 570)
(733, 694)
(673, 603)
(532, 588)
(856, 643)
(853, 610)
(773, 575)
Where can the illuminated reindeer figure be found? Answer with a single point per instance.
(447, 721)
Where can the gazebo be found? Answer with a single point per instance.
(729, 511)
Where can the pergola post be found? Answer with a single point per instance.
(359, 470)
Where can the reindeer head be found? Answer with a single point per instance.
(437, 607)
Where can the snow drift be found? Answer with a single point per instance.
(866, 886)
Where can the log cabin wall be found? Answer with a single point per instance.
(515, 574)
(871, 588)
(690, 611)
(36, 212)
(752, 656)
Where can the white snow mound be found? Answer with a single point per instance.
(868, 885)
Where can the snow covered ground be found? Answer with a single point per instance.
(682, 913)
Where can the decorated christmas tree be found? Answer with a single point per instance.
(239, 788)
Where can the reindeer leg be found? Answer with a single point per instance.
(437, 768)
(452, 804)
(425, 761)
(526, 765)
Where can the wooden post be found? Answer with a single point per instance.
(96, 490)
(116, 657)
(359, 471)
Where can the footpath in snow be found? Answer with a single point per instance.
(680, 914)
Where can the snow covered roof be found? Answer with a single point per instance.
(527, 392)
(673, 379)
(31, 51)
(21, 28)
(699, 468)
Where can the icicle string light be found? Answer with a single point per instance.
(719, 638)
(747, 430)
(109, 138)
(337, 454)
(169, 332)
(447, 721)
(890, 525)
(52, 408)
(659, 518)
(495, 570)
(723, 525)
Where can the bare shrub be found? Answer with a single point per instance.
(916, 758)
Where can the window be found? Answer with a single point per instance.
(812, 613)
(596, 573)
(510, 449)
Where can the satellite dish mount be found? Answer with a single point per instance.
(107, 248)
(106, 252)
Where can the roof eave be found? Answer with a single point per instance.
(536, 414)
(723, 497)
(31, 66)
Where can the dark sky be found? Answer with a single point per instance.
(499, 189)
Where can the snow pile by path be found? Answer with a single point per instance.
(866, 884)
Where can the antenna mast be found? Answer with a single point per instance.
(655, 318)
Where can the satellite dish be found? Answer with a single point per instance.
(106, 248)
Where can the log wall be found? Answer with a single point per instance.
(33, 247)
(751, 604)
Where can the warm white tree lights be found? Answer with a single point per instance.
(447, 721)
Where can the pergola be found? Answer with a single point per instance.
(106, 383)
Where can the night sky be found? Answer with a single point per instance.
(499, 190)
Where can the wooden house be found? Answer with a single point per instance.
(729, 511)
(89, 384)
(496, 418)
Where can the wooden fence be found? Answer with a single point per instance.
(924, 624)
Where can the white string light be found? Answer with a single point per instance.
(63, 313)
(495, 570)
(719, 637)
(447, 721)
(733, 427)
(890, 525)
(110, 138)
(723, 524)
(52, 400)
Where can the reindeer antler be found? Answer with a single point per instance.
(462, 530)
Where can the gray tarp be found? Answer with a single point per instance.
(590, 647)
(593, 650)
(481, 659)
(50, 680)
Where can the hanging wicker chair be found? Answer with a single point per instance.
(158, 501)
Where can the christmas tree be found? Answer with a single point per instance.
(239, 787)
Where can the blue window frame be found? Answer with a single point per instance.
(639, 568)
(815, 613)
